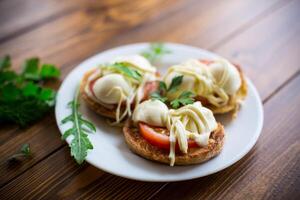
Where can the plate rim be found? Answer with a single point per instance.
(239, 156)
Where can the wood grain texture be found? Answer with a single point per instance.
(269, 171)
(65, 30)
(19, 16)
(263, 36)
(82, 29)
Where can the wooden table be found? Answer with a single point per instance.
(263, 36)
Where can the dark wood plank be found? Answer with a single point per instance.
(18, 16)
(43, 135)
(66, 33)
(64, 179)
(270, 48)
(270, 170)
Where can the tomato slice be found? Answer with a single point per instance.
(149, 87)
(207, 62)
(157, 139)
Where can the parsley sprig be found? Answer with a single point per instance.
(80, 143)
(155, 52)
(185, 98)
(23, 98)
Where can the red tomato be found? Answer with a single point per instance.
(207, 62)
(158, 139)
(149, 88)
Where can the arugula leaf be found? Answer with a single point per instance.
(176, 81)
(185, 98)
(130, 73)
(80, 143)
(5, 62)
(24, 152)
(155, 52)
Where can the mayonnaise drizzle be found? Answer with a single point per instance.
(189, 122)
(215, 82)
(136, 62)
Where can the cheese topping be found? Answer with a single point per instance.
(137, 61)
(153, 112)
(188, 122)
(114, 87)
(192, 121)
(213, 82)
(226, 76)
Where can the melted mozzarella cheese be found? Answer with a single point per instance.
(226, 76)
(136, 61)
(189, 122)
(196, 78)
(152, 112)
(110, 88)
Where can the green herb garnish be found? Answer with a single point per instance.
(185, 98)
(126, 71)
(23, 99)
(24, 152)
(80, 143)
(155, 52)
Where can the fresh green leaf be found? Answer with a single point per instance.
(156, 95)
(31, 69)
(49, 71)
(22, 99)
(25, 149)
(162, 86)
(30, 89)
(155, 52)
(5, 62)
(176, 81)
(23, 111)
(185, 98)
(25, 152)
(9, 92)
(7, 76)
(81, 127)
(127, 71)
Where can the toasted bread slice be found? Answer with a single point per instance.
(234, 101)
(99, 108)
(194, 156)
(94, 105)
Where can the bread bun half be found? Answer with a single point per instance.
(140, 146)
(92, 104)
(234, 101)
(99, 108)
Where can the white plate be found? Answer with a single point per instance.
(110, 152)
